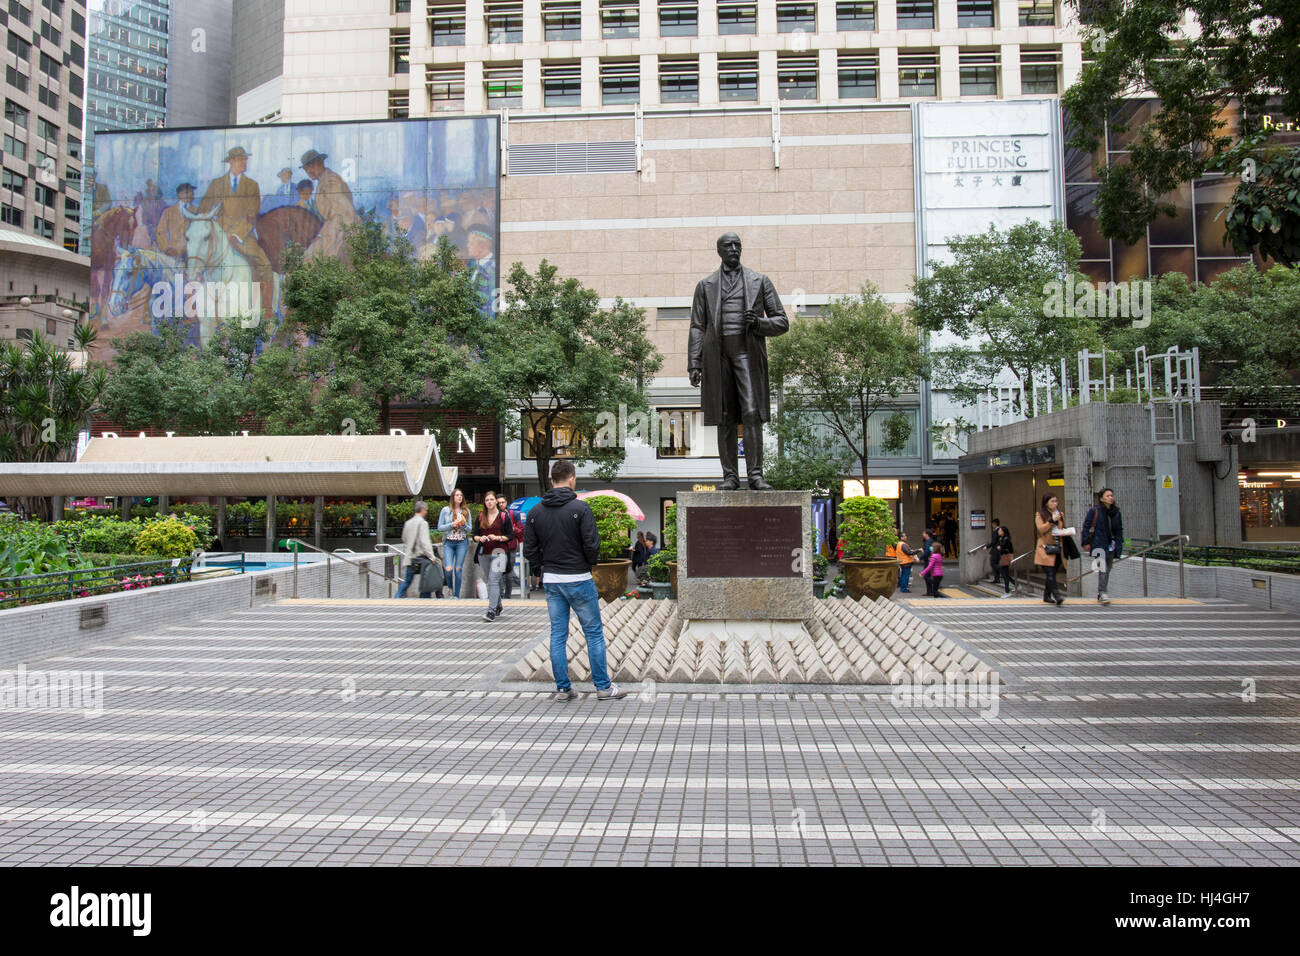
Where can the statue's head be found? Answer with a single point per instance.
(729, 249)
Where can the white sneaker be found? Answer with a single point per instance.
(1103, 597)
(1007, 594)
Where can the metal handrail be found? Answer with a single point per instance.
(329, 556)
(1182, 581)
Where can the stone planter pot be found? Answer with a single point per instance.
(611, 578)
(661, 589)
(672, 577)
(819, 588)
(873, 578)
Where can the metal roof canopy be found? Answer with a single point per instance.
(307, 465)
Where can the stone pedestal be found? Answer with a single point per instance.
(744, 555)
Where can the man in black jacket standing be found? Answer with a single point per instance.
(1103, 538)
(561, 537)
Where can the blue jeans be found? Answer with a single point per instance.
(904, 576)
(582, 599)
(412, 570)
(453, 561)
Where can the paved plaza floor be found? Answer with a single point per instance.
(323, 734)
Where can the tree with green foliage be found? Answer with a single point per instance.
(157, 381)
(991, 302)
(557, 353)
(379, 329)
(1244, 323)
(836, 372)
(1241, 53)
(45, 397)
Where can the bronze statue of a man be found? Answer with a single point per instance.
(733, 311)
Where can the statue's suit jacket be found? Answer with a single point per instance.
(704, 346)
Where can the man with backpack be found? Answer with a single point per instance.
(1103, 538)
(508, 579)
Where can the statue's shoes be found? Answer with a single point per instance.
(730, 484)
(758, 484)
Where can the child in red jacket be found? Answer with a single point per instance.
(933, 574)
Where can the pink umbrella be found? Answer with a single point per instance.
(632, 507)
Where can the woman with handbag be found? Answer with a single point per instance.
(495, 532)
(1049, 552)
(1004, 553)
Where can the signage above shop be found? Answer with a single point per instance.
(1012, 458)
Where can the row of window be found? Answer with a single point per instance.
(129, 63)
(562, 19)
(857, 76)
(19, 117)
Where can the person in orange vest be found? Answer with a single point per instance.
(906, 558)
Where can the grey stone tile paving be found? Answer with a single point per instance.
(323, 735)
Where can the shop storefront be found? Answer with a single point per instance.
(1270, 504)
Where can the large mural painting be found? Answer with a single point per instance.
(193, 225)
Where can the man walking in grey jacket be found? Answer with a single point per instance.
(417, 544)
(561, 537)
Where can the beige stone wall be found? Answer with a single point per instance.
(608, 230)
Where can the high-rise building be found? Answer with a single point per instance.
(153, 63)
(44, 63)
(257, 63)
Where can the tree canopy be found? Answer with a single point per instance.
(1202, 59)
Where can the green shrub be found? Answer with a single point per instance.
(613, 524)
(821, 564)
(106, 534)
(169, 537)
(669, 544)
(866, 527)
(657, 567)
(33, 547)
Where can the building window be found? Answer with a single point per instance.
(54, 6)
(51, 34)
(23, 334)
(1038, 13)
(399, 104)
(1039, 71)
(562, 85)
(76, 86)
(50, 66)
(916, 14)
(20, 47)
(48, 97)
(738, 79)
(16, 114)
(399, 45)
(562, 20)
(11, 216)
(74, 147)
(855, 16)
(42, 227)
(47, 130)
(918, 74)
(504, 87)
(446, 89)
(796, 18)
(796, 78)
(979, 74)
(51, 327)
(679, 18)
(447, 24)
(71, 208)
(16, 79)
(619, 19)
(14, 181)
(15, 147)
(45, 196)
(18, 10)
(737, 17)
(620, 83)
(505, 22)
(401, 6)
(677, 432)
(73, 176)
(564, 435)
(679, 82)
(974, 13)
(858, 77)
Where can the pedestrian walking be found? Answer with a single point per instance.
(494, 532)
(949, 535)
(560, 535)
(1004, 553)
(1103, 538)
(418, 547)
(994, 574)
(517, 526)
(453, 522)
(933, 573)
(638, 552)
(1049, 551)
(906, 555)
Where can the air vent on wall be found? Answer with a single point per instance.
(567, 159)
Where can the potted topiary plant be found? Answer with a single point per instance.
(643, 590)
(867, 529)
(820, 566)
(669, 545)
(615, 527)
(660, 580)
